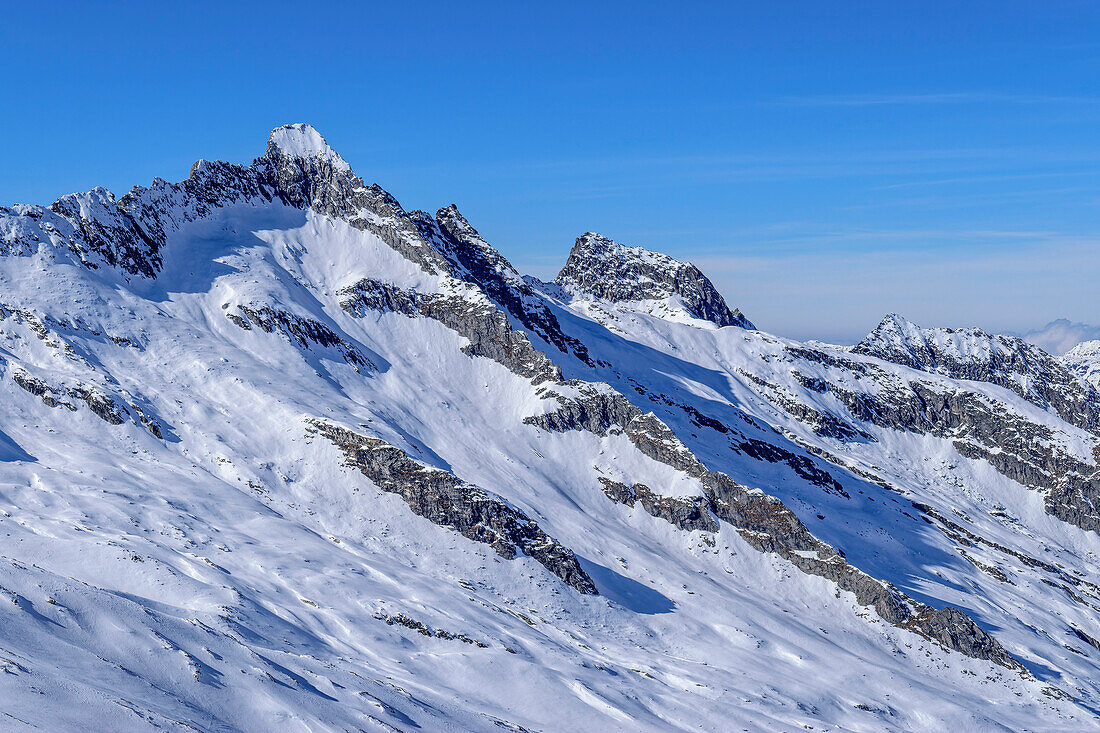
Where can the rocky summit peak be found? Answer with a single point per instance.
(454, 220)
(464, 242)
(599, 267)
(594, 244)
(300, 140)
(1085, 348)
(901, 341)
(893, 332)
(893, 321)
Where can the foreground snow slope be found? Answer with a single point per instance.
(277, 454)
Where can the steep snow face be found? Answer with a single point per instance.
(303, 141)
(606, 270)
(276, 454)
(1084, 360)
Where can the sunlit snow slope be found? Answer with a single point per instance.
(276, 454)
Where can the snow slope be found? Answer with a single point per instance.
(187, 545)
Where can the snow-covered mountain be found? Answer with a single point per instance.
(1084, 359)
(278, 454)
(973, 354)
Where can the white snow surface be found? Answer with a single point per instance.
(303, 141)
(1084, 359)
(233, 574)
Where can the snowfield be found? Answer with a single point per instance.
(183, 548)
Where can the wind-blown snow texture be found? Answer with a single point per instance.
(276, 454)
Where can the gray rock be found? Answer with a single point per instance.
(980, 427)
(986, 430)
(102, 405)
(689, 513)
(485, 326)
(479, 264)
(423, 629)
(303, 332)
(50, 397)
(446, 500)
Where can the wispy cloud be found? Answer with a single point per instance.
(798, 240)
(934, 98)
(990, 179)
(529, 168)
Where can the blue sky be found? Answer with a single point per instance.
(824, 162)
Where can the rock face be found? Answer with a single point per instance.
(973, 354)
(485, 326)
(686, 513)
(601, 268)
(481, 265)
(979, 426)
(305, 332)
(450, 502)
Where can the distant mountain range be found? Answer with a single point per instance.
(278, 454)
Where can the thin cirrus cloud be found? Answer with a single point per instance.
(990, 179)
(797, 239)
(869, 100)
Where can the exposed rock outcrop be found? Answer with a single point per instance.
(1077, 498)
(111, 410)
(688, 513)
(478, 263)
(1084, 361)
(423, 629)
(487, 328)
(50, 397)
(446, 500)
(304, 332)
(978, 425)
